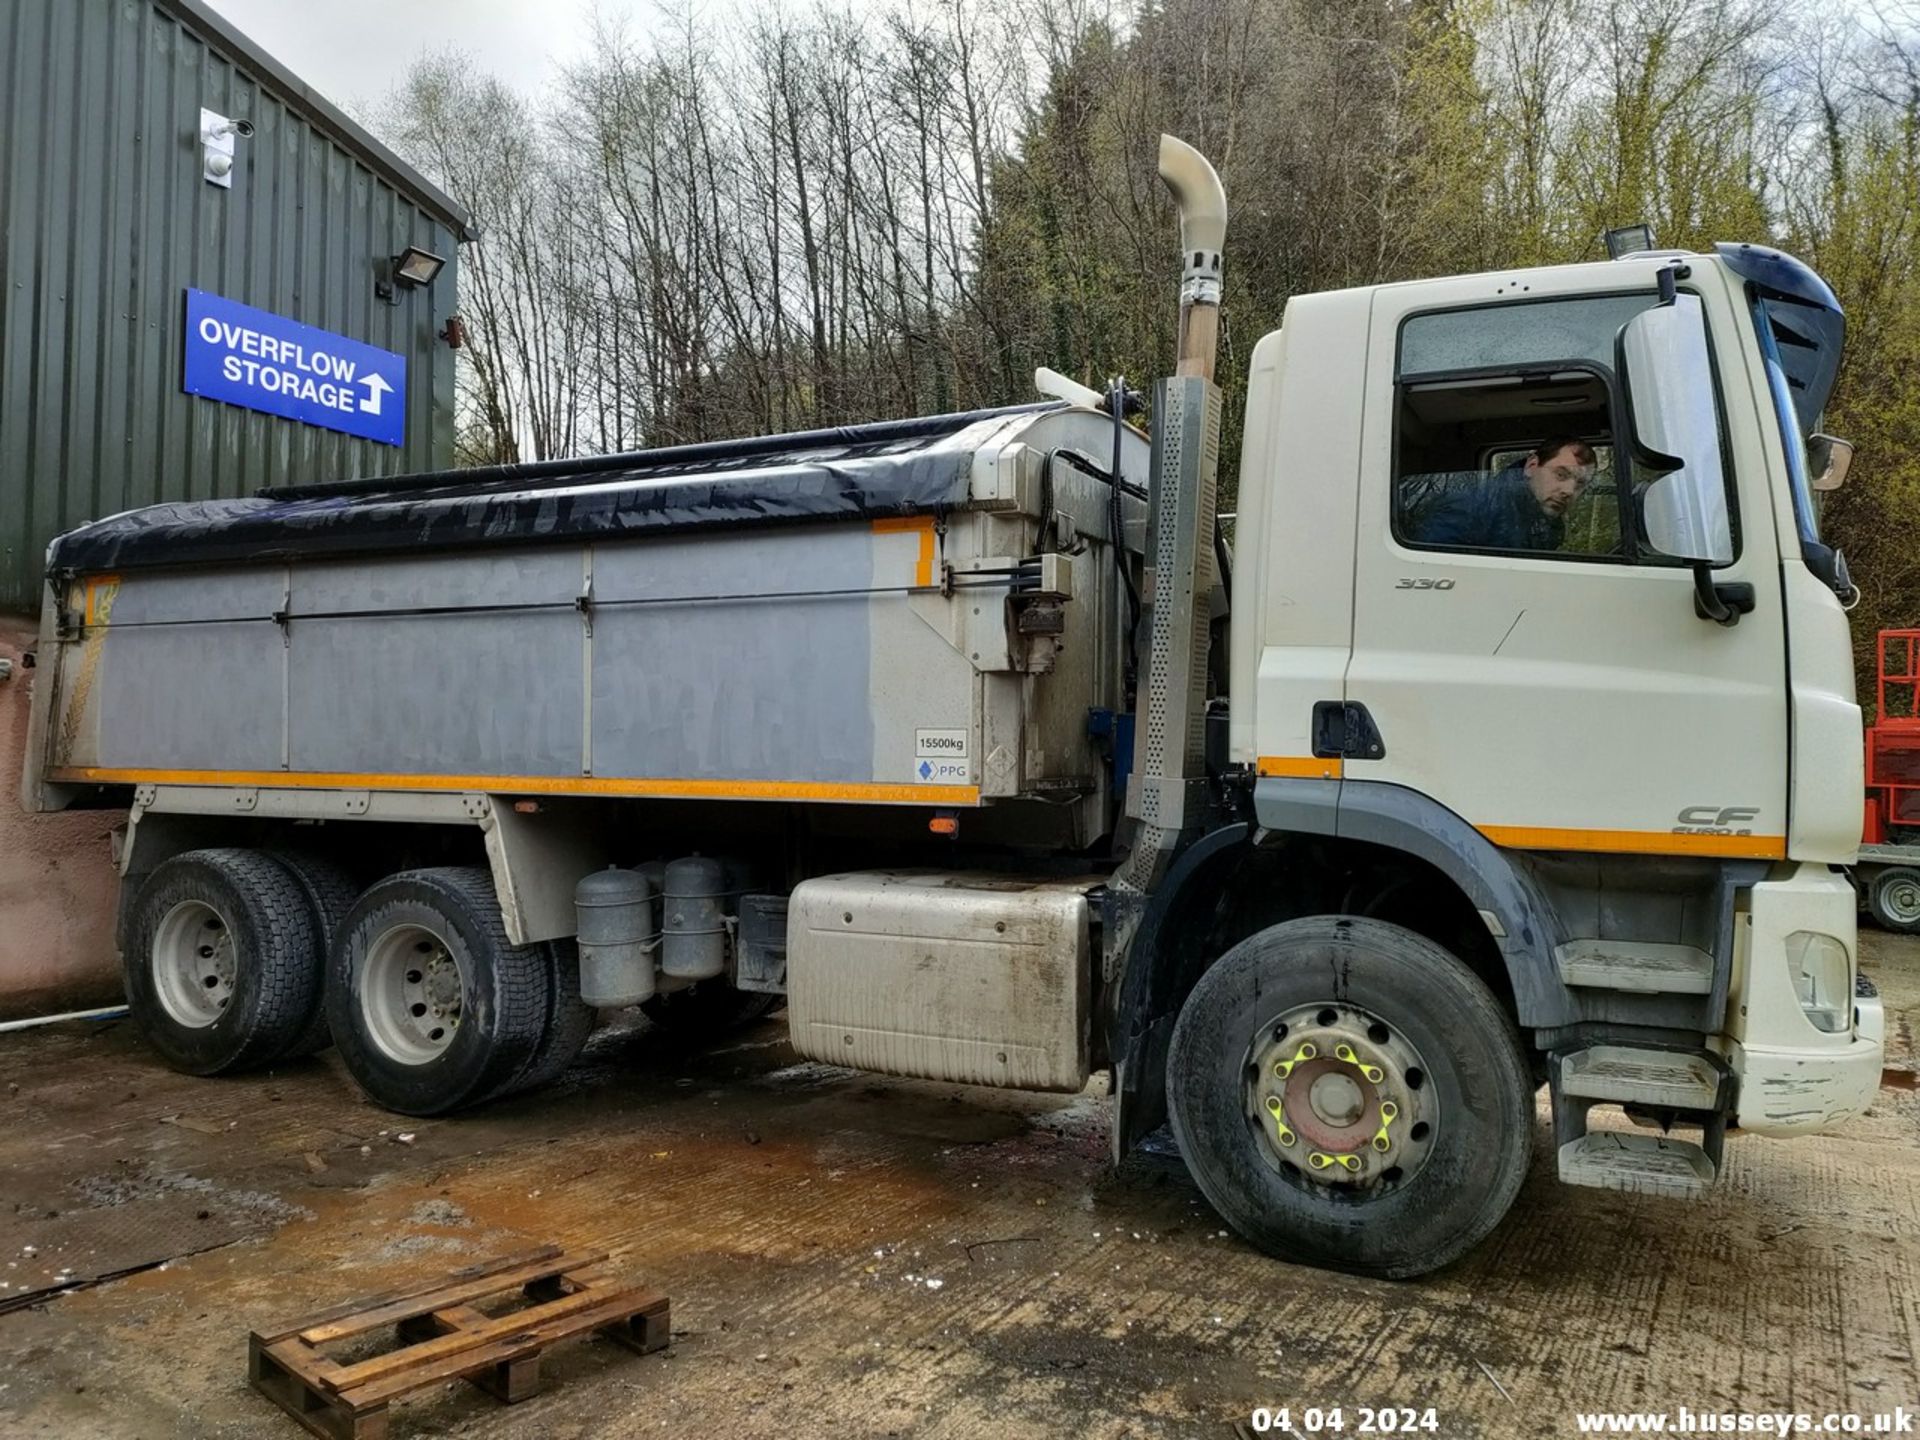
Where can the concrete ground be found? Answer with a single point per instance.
(868, 1257)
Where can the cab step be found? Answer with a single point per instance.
(1639, 1164)
(1628, 1075)
(1643, 967)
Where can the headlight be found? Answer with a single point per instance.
(1823, 979)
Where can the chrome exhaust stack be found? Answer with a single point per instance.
(1203, 231)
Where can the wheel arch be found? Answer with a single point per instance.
(1322, 847)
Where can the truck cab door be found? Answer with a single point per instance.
(1521, 654)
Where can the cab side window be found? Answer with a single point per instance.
(1505, 426)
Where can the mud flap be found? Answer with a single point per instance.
(1159, 969)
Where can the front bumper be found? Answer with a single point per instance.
(1793, 1078)
(1798, 1092)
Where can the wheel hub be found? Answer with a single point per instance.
(1339, 1097)
(1902, 899)
(1336, 1099)
(193, 964)
(412, 994)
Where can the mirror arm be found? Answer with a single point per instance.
(1722, 604)
(1669, 280)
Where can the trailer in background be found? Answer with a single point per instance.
(1889, 870)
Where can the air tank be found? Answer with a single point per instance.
(613, 910)
(694, 945)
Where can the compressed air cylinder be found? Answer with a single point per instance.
(694, 945)
(614, 912)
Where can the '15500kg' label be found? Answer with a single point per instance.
(940, 757)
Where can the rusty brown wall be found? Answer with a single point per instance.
(57, 885)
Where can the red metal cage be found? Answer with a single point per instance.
(1893, 741)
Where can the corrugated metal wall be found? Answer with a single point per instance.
(105, 222)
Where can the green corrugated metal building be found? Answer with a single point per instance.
(107, 220)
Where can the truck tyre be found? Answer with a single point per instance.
(431, 1007)
(1349, 1095)
(330, 893)
(569, 1021)
(707, 1011)
(223, 963)
(1893, 899)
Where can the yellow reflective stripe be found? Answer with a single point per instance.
(1636, 842)
(1537, 837)
(942, 795)
(1301, 767)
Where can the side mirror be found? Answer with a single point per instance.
(1829, 458)
(1663, 353)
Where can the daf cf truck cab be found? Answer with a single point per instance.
(1512, 748)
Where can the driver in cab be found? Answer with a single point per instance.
(1522, 507)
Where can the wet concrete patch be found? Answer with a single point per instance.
(135, 1217)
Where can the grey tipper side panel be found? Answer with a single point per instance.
(191, 697)
(439, 694)
(771, 685)
(486, 693)
(715, 656)
(1405, 820)
(190, 672)
(222, 595)
(526, 577)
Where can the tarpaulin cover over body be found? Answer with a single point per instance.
(894, 468)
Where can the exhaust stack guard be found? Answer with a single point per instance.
(1165, 794)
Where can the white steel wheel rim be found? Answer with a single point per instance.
(1340, 1100)
(412, 994)
(193, 964)
(1900, 898)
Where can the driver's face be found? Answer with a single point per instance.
(1557, 483)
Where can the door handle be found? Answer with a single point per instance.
(1344, 729)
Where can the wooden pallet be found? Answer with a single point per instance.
(444, 1336)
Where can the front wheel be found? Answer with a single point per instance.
(1349, 1095)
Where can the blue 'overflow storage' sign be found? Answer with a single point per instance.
(264, 361)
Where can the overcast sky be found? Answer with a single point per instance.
(355, 51)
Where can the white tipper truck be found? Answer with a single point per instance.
(956, 735)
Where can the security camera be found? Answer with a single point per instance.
(217, 136)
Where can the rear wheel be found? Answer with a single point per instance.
(569, 1021)
(223, 963)
(1893, 899)
(1347, 1094)
(330, 893)
(431, 1007)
